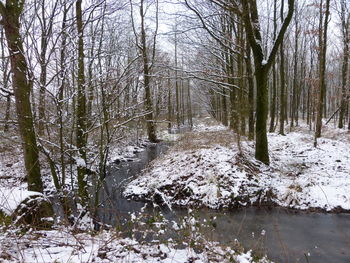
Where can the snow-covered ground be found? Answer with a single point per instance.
(206, 169)
(307, 177)
(63, 246)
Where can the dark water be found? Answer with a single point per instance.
(115, 209)
(284, 235)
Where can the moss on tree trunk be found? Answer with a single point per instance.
(11, 13)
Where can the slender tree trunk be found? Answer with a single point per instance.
(344, 87)
(90, 87)
(233, 93)
(169, 103)
(189, 104)
(151, 129)
(224, 107)
(251, 120)
(274, 86)
(322, 68)
(61, 95)
(42, 99)
(283, 102)
(81, 136)
(240, 67)
(7, 114)
(345, 17)
(295, 74)
(43, 73)
(5, 80)
(177, 92)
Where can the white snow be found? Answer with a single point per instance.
(211, 174)
(310, 177)
(63, 246)
(11, 198)
(80, 162)
(300, 176)
(124, 153)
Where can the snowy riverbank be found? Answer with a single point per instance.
(206, 169)
(64, 246)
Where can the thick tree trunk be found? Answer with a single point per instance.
(261, 148)
(262, 66)
(22, 88)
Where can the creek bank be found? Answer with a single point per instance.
(289, 234)
(217, 175)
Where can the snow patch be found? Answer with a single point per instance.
(11, 198)
(300, 176)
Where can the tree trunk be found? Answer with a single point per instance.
(224, 107)
(345, 20)
(283, 106)
(251, 120)
(322, 68)
(81, 136)
(61, 95)
(7, 114)
(262, 66)
(169, 103)
(5, 80)
(11, 21)
(189, 104)
(151, 128)
(43, 67)
(295, 75)
(261, 148)
(177, 93)
(344, 87)
(274, 87)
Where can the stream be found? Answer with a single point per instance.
(284, 235)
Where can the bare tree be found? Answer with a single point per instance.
(262, 66)
(11, 12)
(81, 128)
(148, 57)
(345, 26)
(322, 67)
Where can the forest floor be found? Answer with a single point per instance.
(80, 243)
(64, 246)
(206, 168)
(203, 168)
